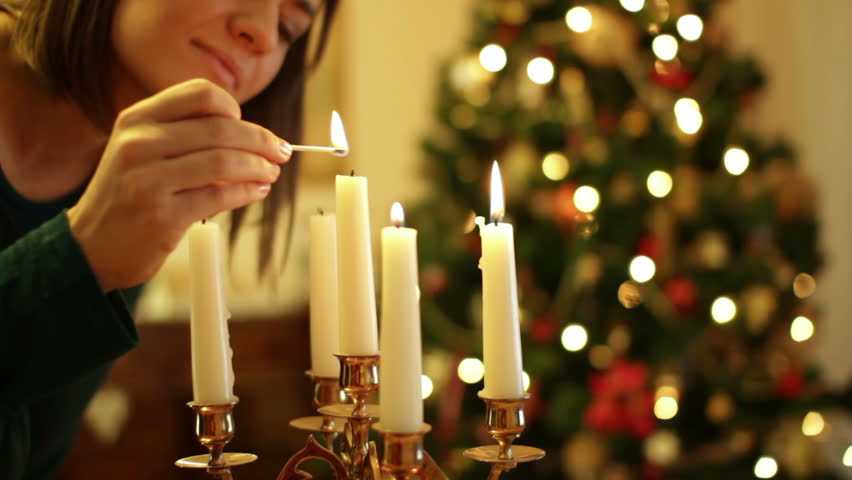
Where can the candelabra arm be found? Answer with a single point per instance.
(312, 450)
(497, 469)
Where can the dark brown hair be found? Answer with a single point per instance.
(68, 45)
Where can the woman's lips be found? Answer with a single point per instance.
(224, 67)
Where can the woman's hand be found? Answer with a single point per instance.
(179, 156)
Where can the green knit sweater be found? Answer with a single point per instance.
(59, 334)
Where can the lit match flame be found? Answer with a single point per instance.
(340, 147)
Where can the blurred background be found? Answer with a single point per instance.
(387, 71)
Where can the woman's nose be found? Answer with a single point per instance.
(255, 31)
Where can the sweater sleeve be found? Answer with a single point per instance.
(56, 324)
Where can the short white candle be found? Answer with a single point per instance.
(501, 339)
(212, 373)
(400, 393)
(322, 260)
(358, 330)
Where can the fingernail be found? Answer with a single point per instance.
(264, 189)
(286, 150)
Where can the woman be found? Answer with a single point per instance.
(121, 124)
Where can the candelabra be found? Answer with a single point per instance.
(403, 456)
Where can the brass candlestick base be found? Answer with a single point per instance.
(214, 428)
(403, 456)
(505, 422)
(327, 391)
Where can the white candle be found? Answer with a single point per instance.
(399, 395)
(322, 259)
(212, 373)
(501, 339)
(358, 331)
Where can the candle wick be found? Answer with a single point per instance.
(320, 211)
(203, 221)
(352, 173)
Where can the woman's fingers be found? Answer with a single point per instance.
(215, 167)
(190, 99)
(207, 201)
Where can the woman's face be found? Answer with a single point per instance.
(237, 44)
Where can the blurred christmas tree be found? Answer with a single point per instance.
(665, 255)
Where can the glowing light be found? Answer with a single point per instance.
(813, 424)
(801, 329)
(397, 214)
(642, 268)
(804, 285)
(667, 391)
(526, 380)
(574, 338)
(586, 199)
(659, 183)
(579, 19)
(498, 206)
(471, 370)
(688, 115)
(338, 135)
(723, 310)
(690, 27)
(492, 57)
(765, 467)
(665, 408)
(664, 47)
(735, 160)
(426, 387)
(555, 166)
(601, 356)
(540, 70)
(633, 5)
(847, 456)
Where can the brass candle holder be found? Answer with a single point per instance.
(327, 391)
(214, 428)
(505, 422)
(403, 456)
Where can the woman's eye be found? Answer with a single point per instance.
(285, 34)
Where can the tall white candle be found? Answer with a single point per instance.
(501, 340)
(400, 392)
(212, 373)
(358, 331)
(322, 259)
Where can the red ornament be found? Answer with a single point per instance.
(682, 294)
(671, 76)
(623, 401)
(544, 330)
(649, 247)
(791, 383)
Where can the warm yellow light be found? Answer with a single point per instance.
(664, 47)
(765, 467)
(600, 356)
(633, 5)
(525, 377)
(847, 456)
(723, 310)
(555, 166)
(813, 424)
(667, 391)
(471, 370)
(642, 268)
(804, 285)
(801, 329)
(586, 199)
(659, 183)
(338, 135)
(397, 214)
(426, 387)
(540, 70)
(688, 115)
(690, 27)
(498, 208)
(665, 408)
(574, 338)
(735, 160)
(492, 57)
(579, 19)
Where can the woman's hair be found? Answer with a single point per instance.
(68, 45)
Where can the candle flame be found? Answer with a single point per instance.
(338, 135)
(397, 214)
(498, 208)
